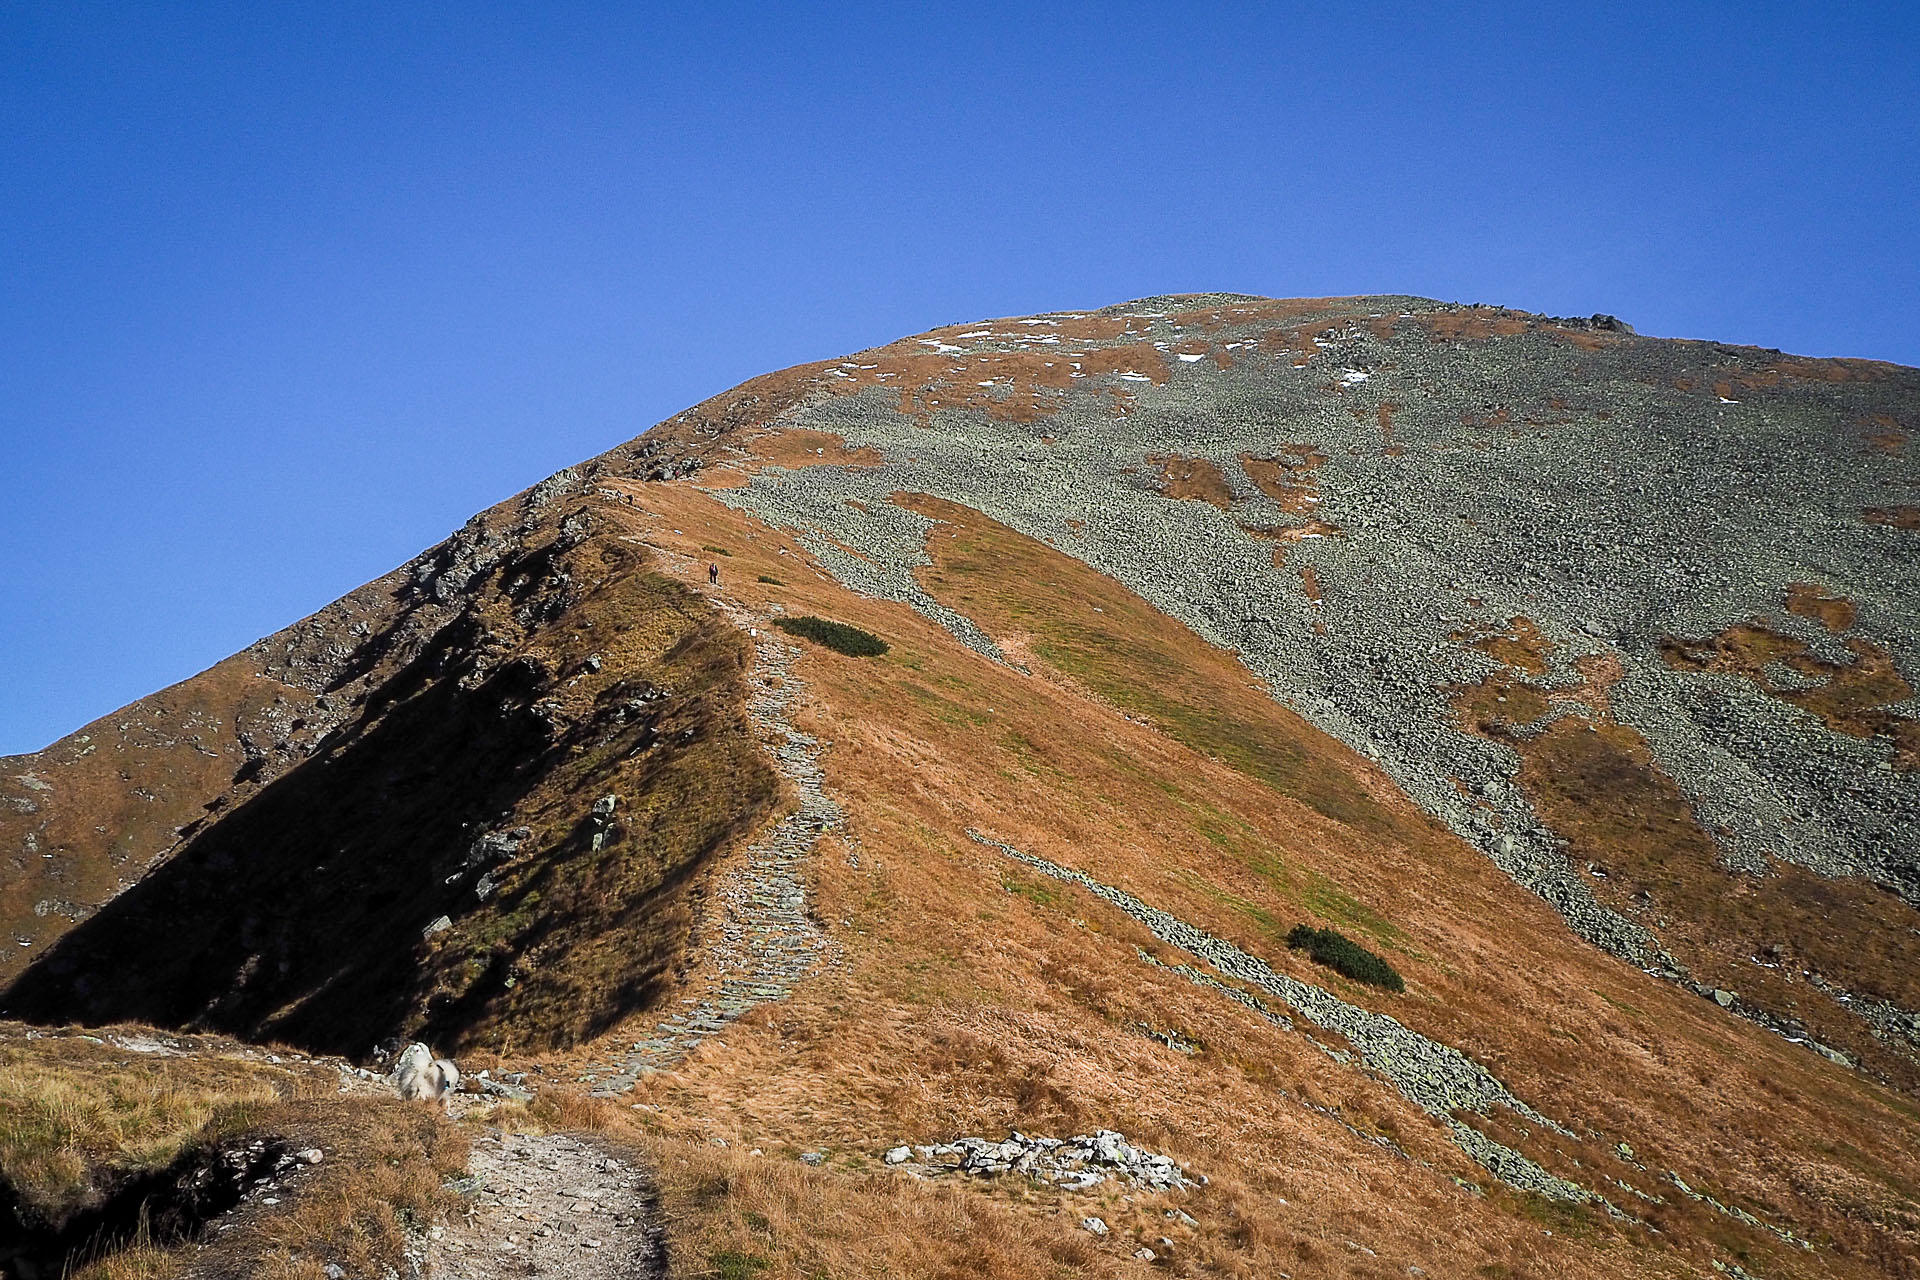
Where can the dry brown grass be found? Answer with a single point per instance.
(1022, 385)
(1886, 434)
(972, 1000)
(793, 448)
(1194, 478)
(79, 1115)
(641, 693)
(1290, 478)
(1598, 786)
(179, 742)
(1518, 644)
(1475, 324)
(1810, 600)
(1852, 698)
(71, 1110)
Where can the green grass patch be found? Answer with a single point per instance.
(1040, 895)
(719, 551)
(731, 1264)
(1343, 955)
(837, 636)
(770, 580)
(1251, 910)
(1325, 898)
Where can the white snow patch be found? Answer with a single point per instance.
(1131, 376)
(1353, 377)
(1187, 359)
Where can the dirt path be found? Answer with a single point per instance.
(553, 1206)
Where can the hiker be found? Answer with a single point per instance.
(713, 573)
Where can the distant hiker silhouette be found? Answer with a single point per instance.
(713, 574)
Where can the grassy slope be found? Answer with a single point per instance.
(975, 1000)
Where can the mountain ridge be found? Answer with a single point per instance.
(1209, 614)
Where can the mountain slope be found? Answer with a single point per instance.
(1563, 668)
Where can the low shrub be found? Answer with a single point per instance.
(767, 577)
(1342, 954)
(719, 551)
(838, 636)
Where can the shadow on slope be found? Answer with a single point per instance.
(310, 913)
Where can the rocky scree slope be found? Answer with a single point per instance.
(1634, 616)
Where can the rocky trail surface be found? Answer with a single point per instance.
(554, 1206)
(759, 938)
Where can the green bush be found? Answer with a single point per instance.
(837, 636)
(719, 551)
(1342, 954)
(767, 577)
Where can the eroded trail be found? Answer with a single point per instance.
(758, 935)
(553, 1206)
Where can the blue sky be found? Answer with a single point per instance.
(288, 291)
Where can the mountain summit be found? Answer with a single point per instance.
(1360, 786)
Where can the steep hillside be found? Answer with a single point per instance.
(1563, 671)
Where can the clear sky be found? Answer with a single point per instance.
(288, 291)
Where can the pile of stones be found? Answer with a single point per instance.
(1072, 1164)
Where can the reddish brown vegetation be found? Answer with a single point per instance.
(1519, 644)
(1023, 386)
(1475, 324)
(1851, 698)
(1597, 784)
(1887, 435)
(1289, 479)
(1901, 517)
(1195, 478)
(1810, 600)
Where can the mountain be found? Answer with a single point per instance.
(1444, 776)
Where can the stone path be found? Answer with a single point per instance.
(553, 1206)
(757, 935)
